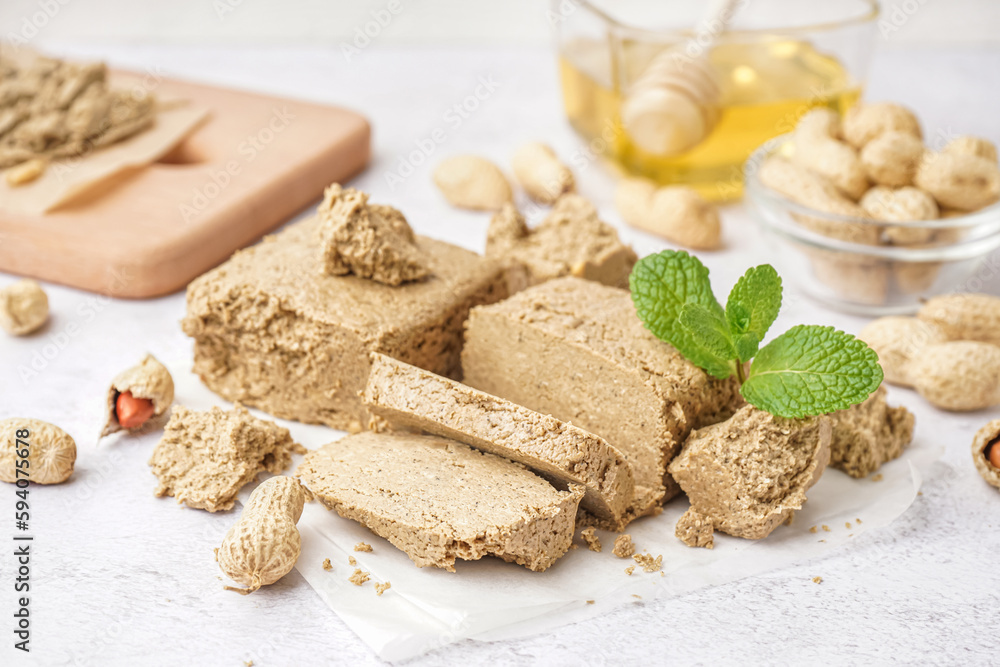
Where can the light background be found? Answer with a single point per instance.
(420, 22)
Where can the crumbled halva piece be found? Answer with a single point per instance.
(576, 350)
(382, 588)
(869, 434)
(363, 546)
(564, 454)
(438, 500)
(327, 565)
(272, 331)
(746, 474)
(623, 546)
(570, 241)
(695, 530)
(368, 240)
(205, 458)
(592, 540)
(351, 560)
(359, 577)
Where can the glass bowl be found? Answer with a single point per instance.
(882, 279)
(777, 59)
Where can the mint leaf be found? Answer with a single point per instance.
(661, 284)
(753, 305)
(712, 332)
(812, 370)
(746, 346)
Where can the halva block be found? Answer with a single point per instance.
(273, 331)
(576, 350)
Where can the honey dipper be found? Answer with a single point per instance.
(674, 104)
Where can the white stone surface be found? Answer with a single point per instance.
(123, 578)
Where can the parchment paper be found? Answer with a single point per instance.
(490, 599)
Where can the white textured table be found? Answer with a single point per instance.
(120, 577)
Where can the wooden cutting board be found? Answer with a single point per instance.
(255, 162)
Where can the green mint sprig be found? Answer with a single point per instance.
(808, 370)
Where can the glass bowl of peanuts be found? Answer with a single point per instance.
(863, 217)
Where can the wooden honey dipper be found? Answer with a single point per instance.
(674, 104)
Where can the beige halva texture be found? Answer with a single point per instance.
(747, 475)
(368, 240)
(561, 453)
(575, 349)
(205, 458)
(869, 434)
(570, 241)
(439, 500)
(273, 331)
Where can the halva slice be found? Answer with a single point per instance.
(747, 475)
(983, 455)
(438, 500)
(570, 241)
(576, 350)
(369, 240)
(205, 458)
(559, 452)
(869, 434)
(271, 330)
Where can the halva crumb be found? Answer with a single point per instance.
(629, 570)
(327, 565)
(817, 580)
(648, 563)
(382, 588)
(592, 540)
(362, 546)
(351, 560)
(624, 546)
(359, 577)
